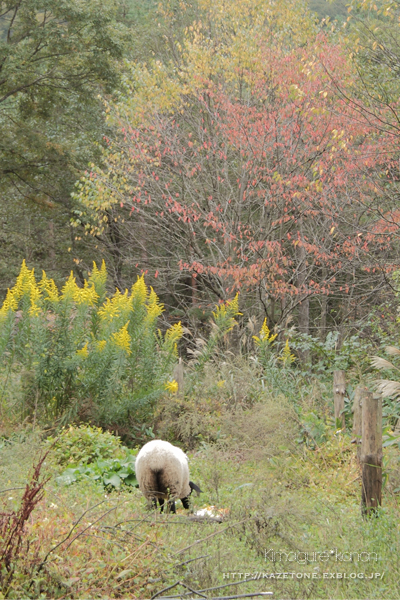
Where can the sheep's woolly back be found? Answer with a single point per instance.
(161, 466)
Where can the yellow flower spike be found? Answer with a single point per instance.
(287, 357)
(124, 302)
(99, 276)
(224, 315)
(49, 287)
(10, 303)
(86, 295)
(139, 290)
(172, 336)
(174, 333)
(122, 339)
(220, 311)
(154, 306)
(35, 296)
(83, 352)
(101, 344)
(24, 282)
(108, 311)
(171, 386)
(114, 307)
(265, 335)
(233, 306)
(70, 289)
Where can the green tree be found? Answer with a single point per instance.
(55, 57)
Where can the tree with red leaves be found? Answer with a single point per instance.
(261, 189)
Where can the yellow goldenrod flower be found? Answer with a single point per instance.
(49, 287)
(10, 303)
(25, 285)
(174, 333)
(98, 276)
(171, 386)
(35, 293)
(219, 312)
(265, 335)
(287, 357)
(139, 291)
(108, 311)
(83, 352)
(34, 310)
(86, 295)
(224, 315)
(172, 336)
(119, 304)
(124, 302)
(70, 289)
(122, 338)
(25, 281)
(154, 306)
(233, 306)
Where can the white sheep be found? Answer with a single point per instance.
(162, 472)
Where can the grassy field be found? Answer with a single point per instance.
(291, 513)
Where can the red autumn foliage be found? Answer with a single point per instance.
(266, 186)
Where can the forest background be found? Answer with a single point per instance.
(220, 151)
(217, 150)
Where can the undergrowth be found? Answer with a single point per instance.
(265, 450)
(282, 501)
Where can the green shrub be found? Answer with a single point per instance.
(328, 355)
(91, 453)
(84, 355)
(84, 445)
(112, 473)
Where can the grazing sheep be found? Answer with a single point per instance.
(162, 472)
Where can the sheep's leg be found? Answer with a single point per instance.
(185, 502)
(161, 502)
(171, 506)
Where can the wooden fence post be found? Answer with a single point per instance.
(178, 376)
(339, 390)
(357, 420)
(371, 452)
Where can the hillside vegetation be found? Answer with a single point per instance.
(199, 224)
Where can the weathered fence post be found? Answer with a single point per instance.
(371, 452)
(357, 420)
(178, 376)
(339, 390)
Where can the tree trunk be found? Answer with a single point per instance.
(324, 310)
